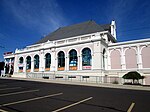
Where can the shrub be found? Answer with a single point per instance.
(134, 75)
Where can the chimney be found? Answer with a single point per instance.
(113, 29)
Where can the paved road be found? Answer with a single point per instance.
(29, 96)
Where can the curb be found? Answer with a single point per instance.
(114, 86)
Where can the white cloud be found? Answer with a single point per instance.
(40, 15)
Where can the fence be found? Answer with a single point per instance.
(77, 78)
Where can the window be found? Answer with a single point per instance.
(21, 60)
(86, 58)
(61, 60)
(104, 58)
(20, 64)
(130, 58)
(145, 57)
(28, 63)
(47, 61)
(36, 62)
(115, 59)
(73, 60)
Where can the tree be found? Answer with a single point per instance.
(134, 75)
(2, 65)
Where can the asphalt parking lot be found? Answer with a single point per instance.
(30, 96)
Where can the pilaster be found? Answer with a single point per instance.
(108, 60)
(32, 64)
(123, 64)
(80, 62)
(15, 63)
(67, 63)
(24, 65)
(139, 58)
(53, 61)
(41, 63)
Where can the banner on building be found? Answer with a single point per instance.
(20, 65)
(86, 67)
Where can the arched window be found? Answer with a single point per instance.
(86, 58)
(145, 57)
(115, 59)
(20, 64)
(28, 64)
(21, 60)
(104, 53)
(131, 60)
(47, 61)
(36, 63)
(61, 60)
(73, 60)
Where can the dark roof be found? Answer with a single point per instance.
(106, 27)
(74, 30)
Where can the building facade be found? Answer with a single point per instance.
(85, 49)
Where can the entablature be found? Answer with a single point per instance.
(64, 42)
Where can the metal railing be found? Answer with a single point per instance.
(76, 78)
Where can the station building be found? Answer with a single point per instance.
(85, 49)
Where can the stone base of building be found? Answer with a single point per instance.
(94, 76)
(19, 75)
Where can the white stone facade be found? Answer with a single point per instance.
(92, 41)
(107, 58)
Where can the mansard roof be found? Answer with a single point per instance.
(75, 30)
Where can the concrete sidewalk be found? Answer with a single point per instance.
(106, 85)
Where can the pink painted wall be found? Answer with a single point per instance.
(146, 57)
(115, 60)
(147, 80)
(130, 57)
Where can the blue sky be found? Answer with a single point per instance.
(24, 22)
